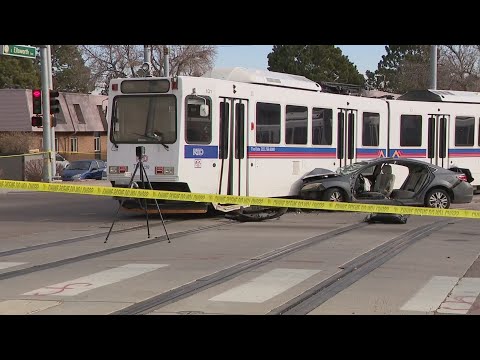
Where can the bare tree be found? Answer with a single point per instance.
(112, 61)
(413, 76)
(191, 60)
(122, 61)
(459, 67)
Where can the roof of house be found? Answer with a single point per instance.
(78, 112)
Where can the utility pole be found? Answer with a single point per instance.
(147, 60)
(166, 62)
(433, 67)
(50, 86)
(47, 142)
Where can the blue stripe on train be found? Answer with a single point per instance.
(201, 152)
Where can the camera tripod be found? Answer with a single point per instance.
(140, 152)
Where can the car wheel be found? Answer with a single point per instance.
(333, 194)
(437, 198)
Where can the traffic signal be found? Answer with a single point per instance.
(37, 101)
(54, 102)
(37, 121)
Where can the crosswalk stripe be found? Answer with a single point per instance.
(429, 297)
(25, 307)
(462, 297)
(266, 286)
(96, 280)
(6, 264)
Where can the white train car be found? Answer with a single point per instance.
(437, 126)
(237, 131)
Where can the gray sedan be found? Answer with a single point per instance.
(389, 181)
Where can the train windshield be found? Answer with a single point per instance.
(144, 119)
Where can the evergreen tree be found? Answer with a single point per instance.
(320, 63)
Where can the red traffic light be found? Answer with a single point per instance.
(37, 101)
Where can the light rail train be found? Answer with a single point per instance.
(250, 132)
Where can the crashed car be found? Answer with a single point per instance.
(389, 181)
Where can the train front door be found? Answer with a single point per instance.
(438, 139)
(233, 146)
(346, 136)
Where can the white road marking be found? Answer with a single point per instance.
(266, 286)
(462, 297)
(430, 297)
(25, 307)
(6, 265)
(96, 280)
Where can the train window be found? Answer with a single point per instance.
(198, 128)
(268, 123)
(411, 130)
(322, 126)
(371, 129)
(296, 118)
(464, 130)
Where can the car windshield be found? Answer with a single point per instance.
(79, 165)
(349, 169)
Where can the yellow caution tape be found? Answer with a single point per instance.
(233, 199)
(60, 152)
(29, 154)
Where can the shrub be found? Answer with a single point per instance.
(34, 170)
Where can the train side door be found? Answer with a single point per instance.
(233, 146)
(438, 139)
(346, 136)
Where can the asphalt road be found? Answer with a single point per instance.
(53, 260)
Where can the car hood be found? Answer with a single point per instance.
(320, 173)
(70, 173)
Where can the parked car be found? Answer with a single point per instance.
(59, 159)
(389, 181)
(84, 169)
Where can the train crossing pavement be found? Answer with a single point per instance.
(441, 294)
(431, 276)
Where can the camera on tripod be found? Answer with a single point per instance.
(140, 151)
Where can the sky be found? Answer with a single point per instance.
(365, 57)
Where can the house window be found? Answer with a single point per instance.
(96, 143)
(74, 144)
(56, 145)
(79, 113)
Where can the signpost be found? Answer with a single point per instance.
(20, 50)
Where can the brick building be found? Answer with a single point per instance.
(81, 131)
